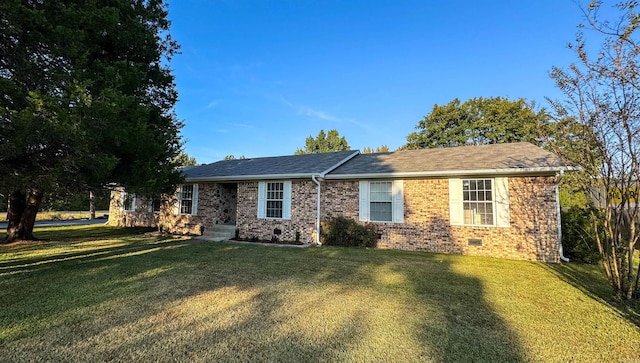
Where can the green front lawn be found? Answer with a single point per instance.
(99, 293)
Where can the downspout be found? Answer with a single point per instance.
(313, 177)
(558, 179)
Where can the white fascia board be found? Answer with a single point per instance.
(334, 167)
(232, 178)
(448, 173)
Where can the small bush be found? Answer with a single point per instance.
(346, 232)
(578, 235)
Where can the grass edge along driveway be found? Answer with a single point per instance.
(107, 294)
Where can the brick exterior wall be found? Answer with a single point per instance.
(216, 205)
(140, 217)
(303, 213)
(532, 235)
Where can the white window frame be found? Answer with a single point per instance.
(131, 207)
(275, 196)
(376, 197)
(500, 202)
(397, 200)
(264, 198)
(484, 196)
(194, 199)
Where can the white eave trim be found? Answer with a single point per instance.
(232, 178)
(447, 173)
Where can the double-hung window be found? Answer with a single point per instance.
(381, 201)
(477, 201)
(188, 199)
(275, 199)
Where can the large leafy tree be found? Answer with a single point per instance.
(324, 143)
(87, 101)
(602, 102)
(479, 121)
(183, 159)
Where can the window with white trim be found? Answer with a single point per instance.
(477, 201)
(275, 199)
(129, 202)
(380, 201)
(186, 196)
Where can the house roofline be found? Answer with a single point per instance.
(446, 173)
(412, 174)
(339, 163)
(232, 178)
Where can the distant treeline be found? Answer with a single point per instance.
(67, 202)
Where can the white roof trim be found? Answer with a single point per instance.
(334, 167)
(410, 174)
(437, 173)
(250, 177)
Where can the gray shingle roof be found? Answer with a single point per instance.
(499, 158)
(516, 157)
(290, 166)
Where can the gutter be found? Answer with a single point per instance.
(560, 250)
(313, 177)
(446, 173)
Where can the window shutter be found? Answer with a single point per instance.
(398, 201)
(456, 214)
(364, 200)
(502, 202)
(286, 203)
(123, 198)
(194, 200)
(262, 199)
(177, 201)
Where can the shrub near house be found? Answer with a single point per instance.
(491, 200)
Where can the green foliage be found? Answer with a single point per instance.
(479, 121)
(379, 149)
(75, 201)
(324, 143)
(345, 232)
(233, 157)
(88, 96)
(578, 235)
(183, 159)
(601, 111)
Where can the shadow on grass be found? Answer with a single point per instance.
(591, 280)
(177, 300)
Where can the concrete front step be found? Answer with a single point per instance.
(220, 232)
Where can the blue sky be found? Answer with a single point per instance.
(255, 78)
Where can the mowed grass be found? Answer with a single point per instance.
(99, 293)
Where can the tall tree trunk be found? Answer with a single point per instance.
(28, 219)
(22, 215)
(15, 209)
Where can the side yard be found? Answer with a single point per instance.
(101, 293)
